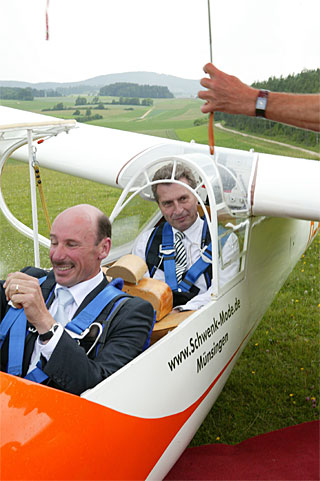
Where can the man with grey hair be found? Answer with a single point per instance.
(174, 250)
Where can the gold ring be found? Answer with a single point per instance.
(17, 289)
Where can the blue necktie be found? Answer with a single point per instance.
(65, 298)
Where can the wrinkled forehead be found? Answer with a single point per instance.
(74, 225)
(173, 191)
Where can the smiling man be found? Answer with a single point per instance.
(174, 249)
(73, 328)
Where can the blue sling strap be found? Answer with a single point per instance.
(85, 318)
(15, 324)
(167, 250)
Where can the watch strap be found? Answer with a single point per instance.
(49, 334)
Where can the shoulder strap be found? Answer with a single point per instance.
(88, 315)
(14, 324)
(167, 251)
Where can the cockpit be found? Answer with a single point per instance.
(223, 195)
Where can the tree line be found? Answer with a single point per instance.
(305, 82)
(126, 89)
(28, 93)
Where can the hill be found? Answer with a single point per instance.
(180, 87)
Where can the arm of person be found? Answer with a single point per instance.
(70, 369)
(227, 93)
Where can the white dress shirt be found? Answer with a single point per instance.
(192, 244)
(79, 292)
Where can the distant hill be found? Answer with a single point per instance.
(180, 87)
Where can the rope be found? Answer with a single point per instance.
(211, 134)
(211, 117)
(47, 20)
(43, 200)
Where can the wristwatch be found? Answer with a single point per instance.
(48, 335)
(261, 103)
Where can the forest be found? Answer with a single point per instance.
(28, 93)
(126, 89)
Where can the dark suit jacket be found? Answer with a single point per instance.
(69, 367)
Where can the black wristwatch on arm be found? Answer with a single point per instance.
(261, 103)
(49, 334)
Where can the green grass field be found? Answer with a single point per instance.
(276, 381)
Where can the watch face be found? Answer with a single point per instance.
(261, 103)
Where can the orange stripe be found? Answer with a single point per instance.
(68, 437)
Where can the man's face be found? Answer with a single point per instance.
(74, 255)
(177, 204)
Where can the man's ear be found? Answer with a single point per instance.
(104, 248)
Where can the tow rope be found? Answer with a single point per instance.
(211, 116)
(36, 169)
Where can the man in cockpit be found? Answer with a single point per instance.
(69, 328)
(173, 251)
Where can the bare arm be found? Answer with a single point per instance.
(227, 93)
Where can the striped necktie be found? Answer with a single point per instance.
(181, 256)
(65, 298)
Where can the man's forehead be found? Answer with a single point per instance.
(72, 230)
(172, 189)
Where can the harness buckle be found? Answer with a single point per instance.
(206, 256)
(166, 250)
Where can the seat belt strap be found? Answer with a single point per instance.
(14, 323)
(167, 251)
(195, 271)
(85, 318)
(90, 313)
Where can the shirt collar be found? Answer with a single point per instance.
(81, 290)
(194, 228)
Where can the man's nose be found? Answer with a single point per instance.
(58, 252)
(178, 208)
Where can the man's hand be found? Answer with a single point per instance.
(226, 93)
(24, 292)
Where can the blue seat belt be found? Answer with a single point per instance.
(167, 251)
(196, 270)
(15, 323)
(88, 315)
(17, 330)
(85, 319)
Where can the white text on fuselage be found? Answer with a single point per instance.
(200, 340)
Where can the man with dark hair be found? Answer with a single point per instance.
(81, 328)
(174, 249)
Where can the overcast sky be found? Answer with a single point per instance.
(251, 39)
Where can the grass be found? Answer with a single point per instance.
(276, 381)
